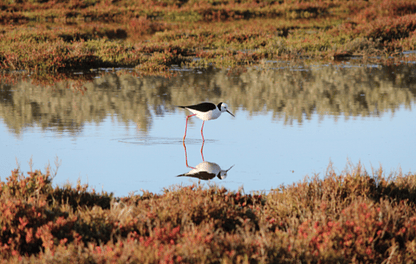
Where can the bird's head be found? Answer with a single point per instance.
(223, 107)
(223, 173)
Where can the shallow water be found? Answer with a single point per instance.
(124, 133)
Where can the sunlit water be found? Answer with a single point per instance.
(125, 134)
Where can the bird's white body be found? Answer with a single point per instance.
(207, 171)
(209, 115)
(208, 167)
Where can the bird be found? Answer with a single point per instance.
(206, 171)
(205, 111)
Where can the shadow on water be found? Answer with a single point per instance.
(204, 170)
(151, 141)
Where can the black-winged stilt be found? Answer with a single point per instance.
(205, 112)
(204, 170)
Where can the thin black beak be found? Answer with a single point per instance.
(230, 113)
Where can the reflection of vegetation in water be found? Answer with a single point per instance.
(296, 94)
(291, 93)
(63, 109)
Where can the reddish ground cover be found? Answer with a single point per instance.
(345, 218)
(153, 35)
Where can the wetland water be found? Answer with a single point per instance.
(124, 133)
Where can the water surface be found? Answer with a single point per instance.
(124, 133)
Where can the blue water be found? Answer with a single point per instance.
(265, 152)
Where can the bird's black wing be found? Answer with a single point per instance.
(203, 175)
(202, 107)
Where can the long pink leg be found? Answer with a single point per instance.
(202, 149)
(186, 157)
(186, 126)
(202, 132)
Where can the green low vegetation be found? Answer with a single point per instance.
(350, 217)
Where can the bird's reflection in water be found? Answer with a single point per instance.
(204, 170)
